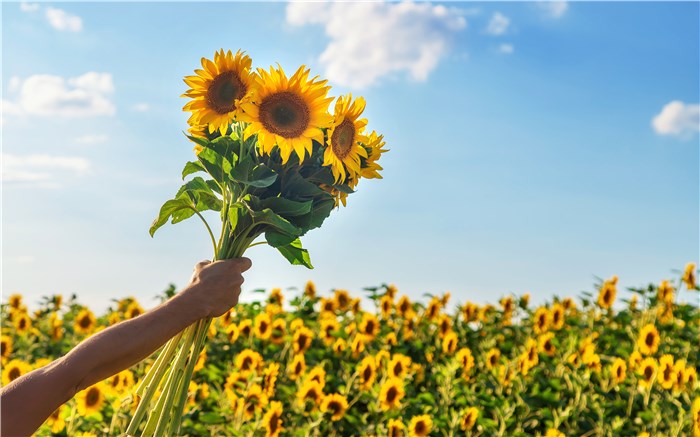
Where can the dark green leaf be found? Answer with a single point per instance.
(277, 239)
(167, 210)
(268, 217)
(296, 254)
(286, 207)
(192, 167)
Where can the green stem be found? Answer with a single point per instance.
(211, 234)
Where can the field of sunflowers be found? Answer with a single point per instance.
(298, 363)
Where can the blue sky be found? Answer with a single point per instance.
(534, 146)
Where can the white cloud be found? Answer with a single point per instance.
(554, 9)
(28, 7)
(141, 107)
(91, 139)
(677, 119)
(498, 25)
(506, 48)
(24, 259)
(47, 95)
(62, 20)
(41, 170)
(371, 40)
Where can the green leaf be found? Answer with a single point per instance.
(277, 239)
(262, 176)
(216, 165)
(296, 254)
(192, 167)
(211, 418)
(297, 187)
(167, 210)
(201, 141)
(226, 147)
(268, 217)
(286, 207)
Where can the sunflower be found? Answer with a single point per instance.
(432, 311)
(492, 357)
(557, 315)
(390, 394)
(310, 290)
(647, 372)
(420, 426)
(236, 381)
(248, 360)
(404, 306)
(245, 328)
(449, 343)
(358, 345)
(531, 353)
(618, 370)
(368, 372)
(216, 89)
(607, 293)
(469, 418)
(342, 299)
(114, 383)
(690, 378)
(286, 112)
(262, 326)
(667, 375)
(270, 375)
(689, 276)
(15, 301)
(311, 391)
(296, 324)
(91, 400)
(552, 432)
(444, 325)
(374, 144)
(302, 340)
(635, 359)
(466, 359)
(328, 305)
(273, 419)
(679, 378)
(395, 428)
(648, 341)
(57, 420)
(279, 328)
(369, 325)
(664, 292)
(317, 374)
(6, 346)
(335, 404)
(201, 359)
(22, 322)
(297, 367)
(386, 303)
(345, 139)
(470, 311)
(255, 401)
(542, 319)
(13, 370)
(84, 322)
(695, 413)
(232, 333)
(339, 346)
(399, 365)
(133, 310)
(546, 345)
(276, 296)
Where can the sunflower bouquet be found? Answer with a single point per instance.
(275, 163)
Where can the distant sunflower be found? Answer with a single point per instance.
(542, 319)
(399, 366)
(262, 326)
(647, 372)
(84, 322)
(552, 432)
(344, 151)
(690, 378)
(449, 343)
(374, 147)
(679, 378)
(91, 400)
(466, 359)
(236, 381)
(273, 419)
(232, 333)
(13, 370)
(297, 367)
(664, 292)
(270, 375)
(342, 299)
(133, 310)
(22, 322)
(444, 325)
(470, 311)
(6, 346)
(546, 345)
(329, 325)
(310, 392)
(608, 291)
(216, 89)
(531, 353)
(391, 393)
(432, 311)
(286, 112)
(557, 312)
(404, 306)
(336, 405)
(369, 325)
(689, 276)
(310, 290)
(302, 340)
(279, 330)
(469, 418)
(635, 359)
(618, 370)
(245, 328)
(339, 346)
(649, 340)
(395, 428)
(386, 303)
(254, 402)
(248, 360)
(695, 413)
(15, 301)
(420, 426)
(328, 305)
(358, 345)
(368, 372)
(667, 375)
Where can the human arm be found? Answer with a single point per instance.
(30, 399)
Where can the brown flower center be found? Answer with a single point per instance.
(391, 394)
(14, 373)
(648, 373)
(343, 138)
(649, 339)
(224, 90)
(273, 424)
(367, 373)
(93, 397)
(420, 428)
(85, 322)
(285, 114)
(335, 407)
(263, 327)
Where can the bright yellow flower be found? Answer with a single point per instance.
(665, 292)
(541, 320)
(263, 326)
(91, 400)
(13, 370)
(310, 290)
(432, 311)
(286, 112)
(690, 378)
(558, 316)
(369, 325)
(328, 305)
(391, 393)
(466, 359)
(649, 340)
(374, 147)
(551, 432)
(689, 276)
(449, 343)
(232, 333)
(358, 345)
(311, 391)
(298, 367)
(216, 89)
(336, 405)
(255, 401)
(84, 322)
(492, 358)
(404, 306)
(279, 329)
(618, 370)
(248, 360)
(667, 375)
(647, 372)
(470, 311)
(531, 353)
(395, 428)
(339, 346)
(57, 420)
(270, 375)
(399, 366)
(6, 346)
(469, 418)
(273, 419)
(695, 414)
(201, 359)
(22, 322)
(302, 340)
(635, 359)
(345, 151)
(276, 296)
(546, 345)
(607, 294)
(368, 372)
(420, 426)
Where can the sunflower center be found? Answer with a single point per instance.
(273, 424)
(14, 373)
(224, 90)
(667, 373)
(3, 348)
(22, 323)
(367, 373)
(93, 397)
(619, 372)
(370, 327)
(649, 339)
(648, 372)
(285, 114)
(343, 138)
(420, 428)
(335, 407)
(391, 394)
(263, 327)
(84, 322)
(247, 362)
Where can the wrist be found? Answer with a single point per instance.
(192, 304)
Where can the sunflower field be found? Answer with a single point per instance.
(384, 365)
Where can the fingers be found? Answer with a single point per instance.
(244, 264)
(201, 264)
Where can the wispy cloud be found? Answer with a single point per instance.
(553, 9)
(141, 107)
(369, 41)
(63, 21)
(41, 170)
(506, 48)
(498, 25)
(678, 119)
(29, 7)
(46, 95)
(91, 139)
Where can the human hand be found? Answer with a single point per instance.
(215, 286)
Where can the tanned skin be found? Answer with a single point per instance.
(30, 399)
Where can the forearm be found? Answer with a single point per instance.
(125, 344)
